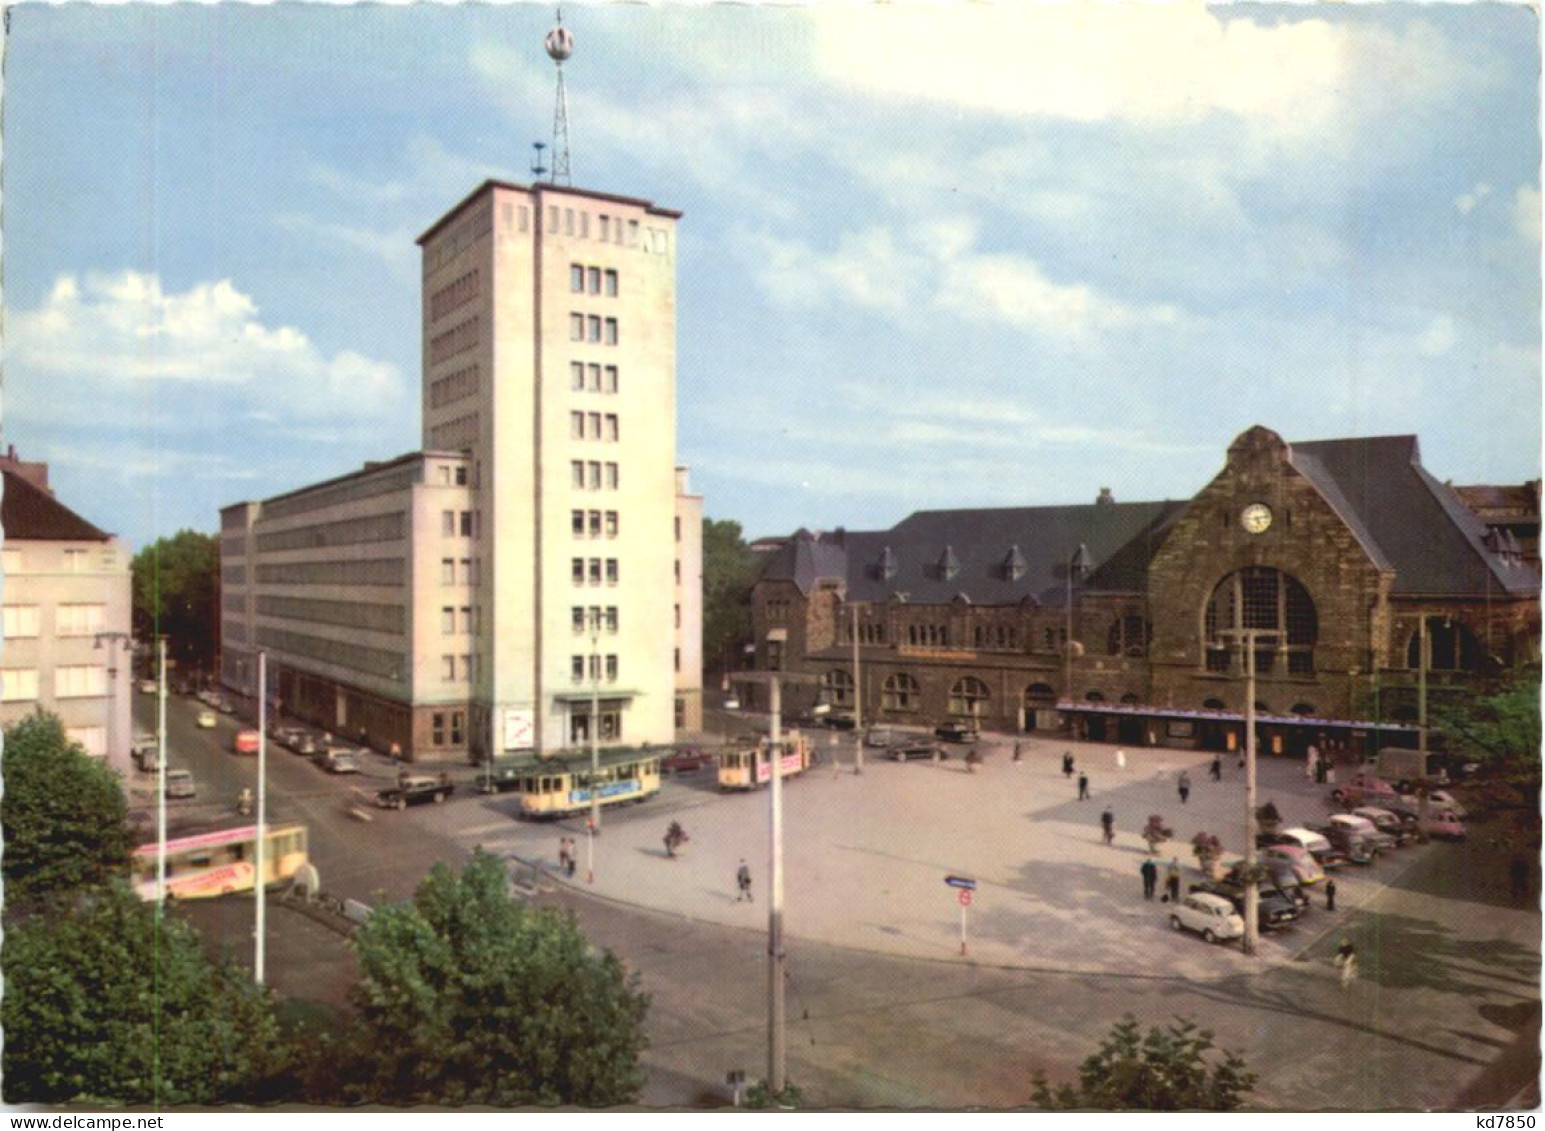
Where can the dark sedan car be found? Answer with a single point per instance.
(686, 760)
(956, 732)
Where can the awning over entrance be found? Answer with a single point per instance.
(611, 696)
(1138, 710)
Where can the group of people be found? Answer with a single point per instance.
(1150, 873)
(568, 857)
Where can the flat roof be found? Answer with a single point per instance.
(647, 205)
(372, 469)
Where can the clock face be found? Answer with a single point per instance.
(1255, 518)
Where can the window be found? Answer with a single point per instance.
(577, 522)
(445, 475)
(969, 697)
(93, 740)
(1259, 597)
(900, 693)
(576, 375)
(439, 728)
(457, 728)
(611, 619)
(18, 685)
(577, 474)
(611, 669)
(1451, 647)
(568, 221)
(577, 614)
(447, 621)
(593, 429)
(611, 571)
(605, 227)
(576, 278)
(466, 669)
(611, 332)
(576, 327)
(632, 233)
(611, 432)
(611, 378)
(584, 225)
(552, 218)
(461, 477)
(466, 524)
(21, 621)
(79, 680)
(448, 523)
(1129, 636)
(678, 528)
(678, 616)
(447, 571)
(579, 571)
(594, 469)
(611, 524)
(681, 713)
(678, 659)
(595, 524)
(838, 685)
(611, 477)
(593, 328)
(595, 280)
(466, 620)
(577, 668)
(75, 561)
(678, 571)
(576, 426)
(595, 669)
(775, 655)
(611, 284)
(595, 378)
(447, 667)
(595, 571)
(469, 571)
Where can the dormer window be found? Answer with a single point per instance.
(1014, 566)
(948, 564)
(885, 568)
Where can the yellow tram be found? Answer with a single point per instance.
(751, 767)
(220, 861)
(561, 785)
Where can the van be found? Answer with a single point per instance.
(1399, 764)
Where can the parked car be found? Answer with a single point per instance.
(304, 742)
(840, 721)
(956, 732)
(1273, 910)
(1326, 853)
(1400, 827)
(1445, 825)
(179, 783)
(914, 748)
(1436, 799)
(147, 687)
(339, 760)
(207, 719)
(686, 760)
(1297, 860)
(225, 706)
(880, 738)
(732, 704)
(1356, 826)
(1365, 789)
(1210, 916)
(246, 741)
(415, 789)
(1280, 881)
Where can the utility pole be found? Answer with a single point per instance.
(160, 775)
(1247, 638)
(858, 703)
(595, 748)
(776, 1051)
(262, 821)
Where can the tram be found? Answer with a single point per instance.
(220, 861)
(561, 785)
(751, 767)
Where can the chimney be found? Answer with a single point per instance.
(1105, 499)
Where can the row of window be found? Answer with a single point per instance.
(467, 621)
(612, 229)
(22, 621)
(452, 475)
(579, 726)
(777, 611)
(589, 524)
(578, 665)
(593, 426)
(457, 339)
(592, 328)
(75, 561)
(596, 619)
(457, 727)
(583, 279)
(455, 294)
(453, 574)
(73, 681)
(467, 524)
(588, 377)
(587, 475)
(453, 668)
(591, 570)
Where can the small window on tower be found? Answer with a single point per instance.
(611, 284)
(576, 375)
(576, 278)
(595, 280)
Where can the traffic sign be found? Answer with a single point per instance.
(964, 882)
(965, 897)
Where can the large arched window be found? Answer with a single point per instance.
(1128, 636)
(969, 696)
(1267, 599)
(1041, 693)
(900, 693)
(838, 684)
(1451, 647)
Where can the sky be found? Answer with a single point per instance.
(933, 255)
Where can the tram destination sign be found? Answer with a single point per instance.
(965, 883)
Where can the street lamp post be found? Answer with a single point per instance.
(858, 703)
(595, 750)
(1076, 564)
(260, 887)
(160, 775)
(1247, 638)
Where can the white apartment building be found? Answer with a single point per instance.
(550, 553)
(67, 617)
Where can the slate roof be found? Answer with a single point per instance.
(1409, 521)
(947, 555)
(30, 514)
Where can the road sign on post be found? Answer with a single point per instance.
(963, 882)
(965, 897)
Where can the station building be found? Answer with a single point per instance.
(1129, 622)
(535, 571)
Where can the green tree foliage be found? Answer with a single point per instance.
(177, 594)
(1167, 1070)
(1501, 730)
(104, 1006)
(729, 571)
(63, 814)
(467, 997)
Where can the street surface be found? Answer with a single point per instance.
(884, 1011)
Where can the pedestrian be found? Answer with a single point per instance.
(1312, 762)
(573, 857)
(1330, 894)
(1320, 770)
(1108, 824)
(1083, 786)
(1518, 875)
(1172, 880)
(1150, 872)
(1346, 958)
(1121, 758)
(1216, 769)
(396, 753)
(743, 882)
(1016, 751)
(1067, 763)
(1184, 785)
(1330, 776)
(563, 855)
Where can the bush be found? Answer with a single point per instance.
(1167, 1070)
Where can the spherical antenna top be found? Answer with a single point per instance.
(559, 43)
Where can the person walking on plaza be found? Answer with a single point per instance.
(1172, 879)
(1108, 824)
(1184, 785)
(1067, 763)
(743, 882)
(1312, 762)
(1083, 786)
(563, 855)
(1330, 894)
(1346, 958)
(1016, 751)
(1216, 769)
(1121, 758)
(1150, 872)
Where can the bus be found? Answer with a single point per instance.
(561, 785)
(735, 766)
(220, 861)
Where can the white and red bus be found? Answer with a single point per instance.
(220, 862)
(751, 768)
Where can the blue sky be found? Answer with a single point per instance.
(932, 255)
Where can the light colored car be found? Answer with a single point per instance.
(339, 760)
(1210, 916)
(1399, 827)
(1296, 860)
(1309, 840)
(179, 783)
(1359, 826)
(1445, 825)
(880, 738)
(147, 687)
(1365, 789)
(207, 719)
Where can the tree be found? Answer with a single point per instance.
(1167, 1070)
(177, 594)
(105, 1005)
(730, 570)
(1501, 730)
(467, 997)
(63, 814)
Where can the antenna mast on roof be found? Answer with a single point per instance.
(560, 45)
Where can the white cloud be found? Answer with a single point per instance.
(114, 338)
(1526, 213)
(1438, 338)
(1467, 201)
